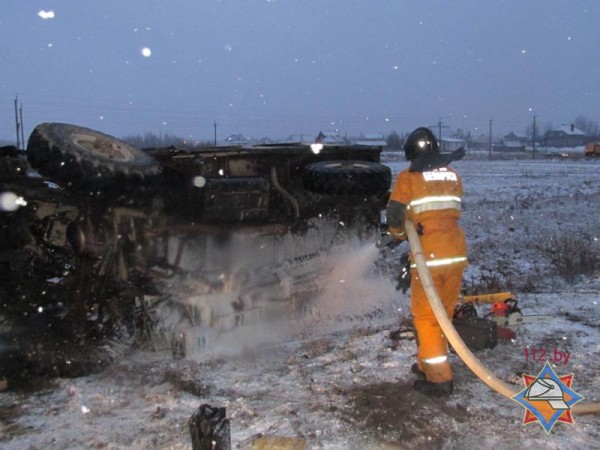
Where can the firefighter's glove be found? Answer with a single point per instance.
(404, 275)
(420, 229)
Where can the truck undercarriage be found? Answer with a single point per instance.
(108, 245)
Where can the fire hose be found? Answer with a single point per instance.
(461, 349)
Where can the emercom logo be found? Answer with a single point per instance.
(548, 398)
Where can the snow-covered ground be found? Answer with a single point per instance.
(343, 383)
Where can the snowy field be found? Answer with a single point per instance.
(343, 383)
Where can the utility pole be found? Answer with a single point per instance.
(21, 125)
(440, 125)
(534, 136)
(490, 142)
(215, 125)
(17, 123)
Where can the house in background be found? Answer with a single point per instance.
(564, 136)
(448, 145)
(509, 146)
(512, 142)
(373, 139)
(330, 137)
(300, 138)
(480, 141)
(516, 137)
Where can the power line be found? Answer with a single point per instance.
(439, 125)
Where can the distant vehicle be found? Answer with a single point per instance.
(237, 139)
(110, 240)
(592, 149)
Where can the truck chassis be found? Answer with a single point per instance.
(102, 244)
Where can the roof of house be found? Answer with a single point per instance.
(569, 130)
(517, 135)
(330, 137)
(300, 138)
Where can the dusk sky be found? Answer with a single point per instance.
(281, 67)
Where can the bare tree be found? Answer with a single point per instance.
(393, 141)
(529, 132)
(588, 126)
(149, 140)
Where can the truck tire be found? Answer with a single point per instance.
(347, 177)
(78, 157)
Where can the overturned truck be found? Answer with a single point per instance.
(102, 244)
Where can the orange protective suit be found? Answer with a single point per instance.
(431, 199)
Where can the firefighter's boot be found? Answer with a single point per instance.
(437, 380)
(417, 371)
(443, 389)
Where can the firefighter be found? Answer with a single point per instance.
(429, 194)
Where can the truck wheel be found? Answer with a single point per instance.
(347, 177)
(79, 157)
